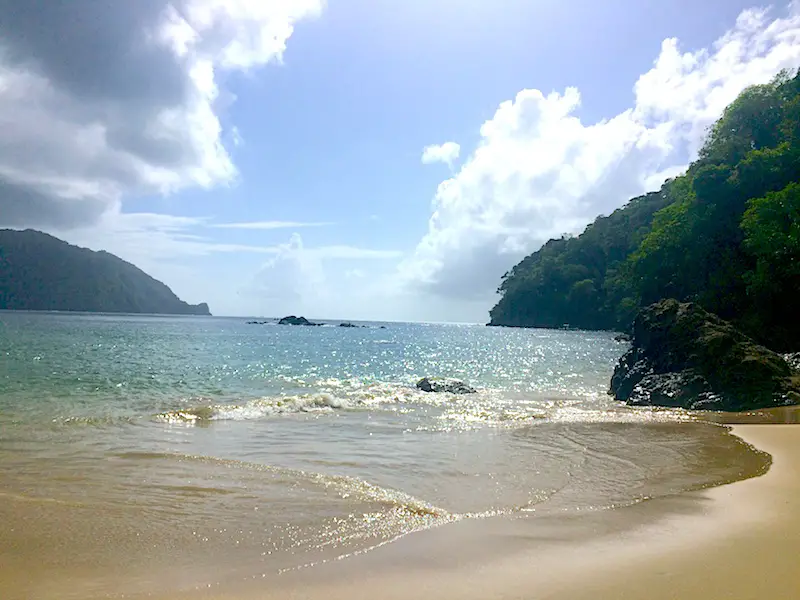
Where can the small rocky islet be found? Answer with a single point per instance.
(303, 322)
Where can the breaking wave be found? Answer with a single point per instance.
(329, 395)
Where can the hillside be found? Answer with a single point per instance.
(725, 235)
(41, 272)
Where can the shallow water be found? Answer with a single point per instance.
(138, 450)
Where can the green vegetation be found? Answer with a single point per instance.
(725, 235)
(40, 272)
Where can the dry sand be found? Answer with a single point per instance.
(739, 541)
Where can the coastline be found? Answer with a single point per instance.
(737, 541)
(755, 537)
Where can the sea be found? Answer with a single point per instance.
(144, 451)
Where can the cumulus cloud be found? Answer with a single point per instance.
(446, 153)
(102, 99)
(295, 279)
(539, 171)
(292, 280)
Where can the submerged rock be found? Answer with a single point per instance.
(292, 320)
(442, 384)
(347, 324)
(683, 356)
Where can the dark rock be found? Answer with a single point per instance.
(349, 325)
(622, 337)
(382, 327)
(683, 356)
(292, 320)
(442, 384)
(685, 389)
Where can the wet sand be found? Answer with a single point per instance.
(752, 546)
(739, 541)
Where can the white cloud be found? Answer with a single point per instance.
(446, 153)
(295, 280)
(539, 171)
(267, 225)
(354, 253)
(156, 238)
(354, 274)
(131, 105)
(291, 282)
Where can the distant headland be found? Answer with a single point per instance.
(41, 272)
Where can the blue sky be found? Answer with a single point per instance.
(300, 128)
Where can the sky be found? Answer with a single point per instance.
(357, 159)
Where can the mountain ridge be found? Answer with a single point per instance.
(41, 272)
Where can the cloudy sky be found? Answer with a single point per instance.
(368, 159)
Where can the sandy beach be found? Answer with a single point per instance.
(739, 541)
(746, 547)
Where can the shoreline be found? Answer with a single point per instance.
(738, 541)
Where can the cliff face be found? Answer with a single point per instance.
(41, 272)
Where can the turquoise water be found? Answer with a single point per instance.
(258, 449)
(83, 367)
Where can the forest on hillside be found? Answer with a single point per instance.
(726, 235)
(41, 272)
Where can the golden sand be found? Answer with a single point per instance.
(736, 542)
(753, 552)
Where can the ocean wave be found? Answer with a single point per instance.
(256, 409)
(332, 395)
(345, 486)
(447, 412)
(490, 407)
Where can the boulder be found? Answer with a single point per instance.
(442, 384)
(683, 356)
(348, 325)
(292, 320)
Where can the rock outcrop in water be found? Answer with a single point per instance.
(683, 356)
(292, 320)
(443, 384)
